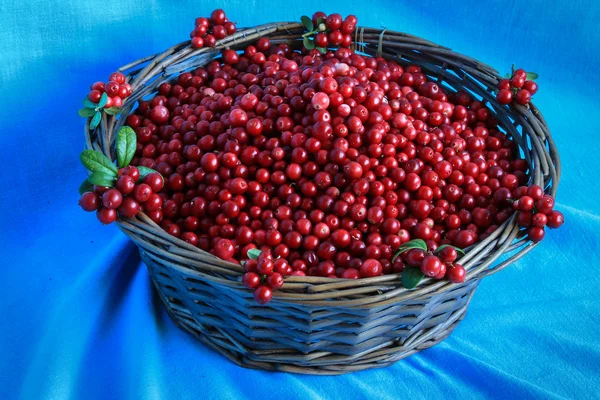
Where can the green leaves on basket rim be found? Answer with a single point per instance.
(411, 276)
(411, 244)
(103, 171)
(311, 31)
(95, 110)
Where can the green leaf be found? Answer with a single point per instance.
(100, 178)
(126, 146)
(86, 186)
(113, 110)
(88, 103)
(532, 76)
(86, 112)
(322, 50)
(145, 171)
(308, 44)
(95, 161)
(458, 249)
(253, 254)
(411, 277)
(307, 22)
(412, 244)
(508, 76)
(103, 100)
(96, 120)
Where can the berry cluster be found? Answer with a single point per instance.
(264, 274)
(328, 30)
(129, 196)
(209, 30)
(536, 210)
(519, 87)
(324, 161)
(415, 260)
(116, 88)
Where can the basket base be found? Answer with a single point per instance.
(434, 323)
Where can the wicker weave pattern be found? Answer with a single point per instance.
(319, 325)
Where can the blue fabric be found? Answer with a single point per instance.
(79, 319)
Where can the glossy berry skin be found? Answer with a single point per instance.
(106, 215)
(555, 219)
(523, 97)
(89, 201)
(504, 96)
(448, 254)
(125, 184)
(155, 181)
(536, 233)
(431, 266)
(275, 280)
(129, 207)
(112, 198)
(224, 249)
(263, 294)
(251, 280)
(370, 268)
(456, 273)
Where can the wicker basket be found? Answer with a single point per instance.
(318, 325)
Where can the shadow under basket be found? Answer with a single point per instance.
(318, 325)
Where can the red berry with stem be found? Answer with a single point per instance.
(448, 254)
(456, 273)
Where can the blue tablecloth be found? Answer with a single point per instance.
(78, 316)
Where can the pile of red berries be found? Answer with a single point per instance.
(209, 30)
(264, 273)
(328, 30)
(327, 164)
(519, 87)
(536, 210)
(116, 88)
(129, 196)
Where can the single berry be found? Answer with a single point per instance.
(112, 198)
(263, 294)
(106, 215)
(89, 201)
